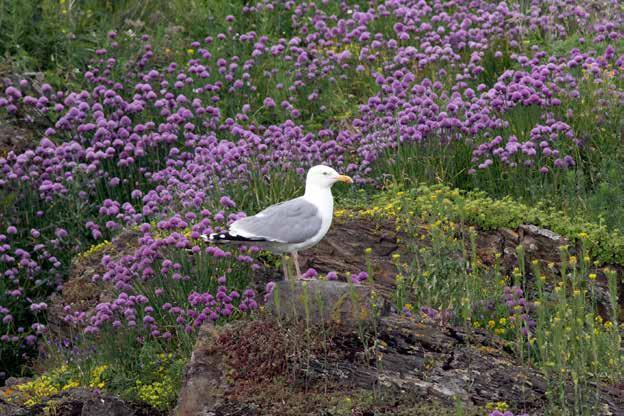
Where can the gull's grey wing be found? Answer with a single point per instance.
(293, 221)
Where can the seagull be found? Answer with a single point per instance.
(289, 226)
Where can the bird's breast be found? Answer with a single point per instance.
(326, 211)
(324, 202)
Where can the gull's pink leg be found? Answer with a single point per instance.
(296, 260)
(285, 266)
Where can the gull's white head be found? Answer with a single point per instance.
(324, 177)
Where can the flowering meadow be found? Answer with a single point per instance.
(174, 128)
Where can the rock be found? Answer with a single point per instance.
(80, 402)
(14, 381)
(204, 387)
(342, 250)
(7, 408)
(14, 137)
(542, 232)
(106, 406)
(450, 365)
(540, 243)
(401, 363)
(326, 302)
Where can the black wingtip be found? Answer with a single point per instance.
(226, 237)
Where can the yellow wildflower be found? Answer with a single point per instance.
(71, 384)
(96, 377)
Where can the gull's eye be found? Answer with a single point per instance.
(325, 173)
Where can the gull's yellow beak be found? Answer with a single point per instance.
(344, 178)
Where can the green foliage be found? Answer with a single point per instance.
(56, 34)
(477, 208)
(433, 274)
(154, 378)
(551, 318)
(137, 371)
(360, 402)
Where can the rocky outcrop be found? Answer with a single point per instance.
(230, 362)
(319, 302)
(384, 363)
(390, 362)
(342, 250)
(205, 385)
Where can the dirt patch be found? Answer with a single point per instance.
(255, 354)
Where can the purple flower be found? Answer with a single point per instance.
(507, 413)
(269, 287)
(310, 274)
(227, 202)
(359, 277)
(269, 103)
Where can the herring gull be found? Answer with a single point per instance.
(289, 226)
